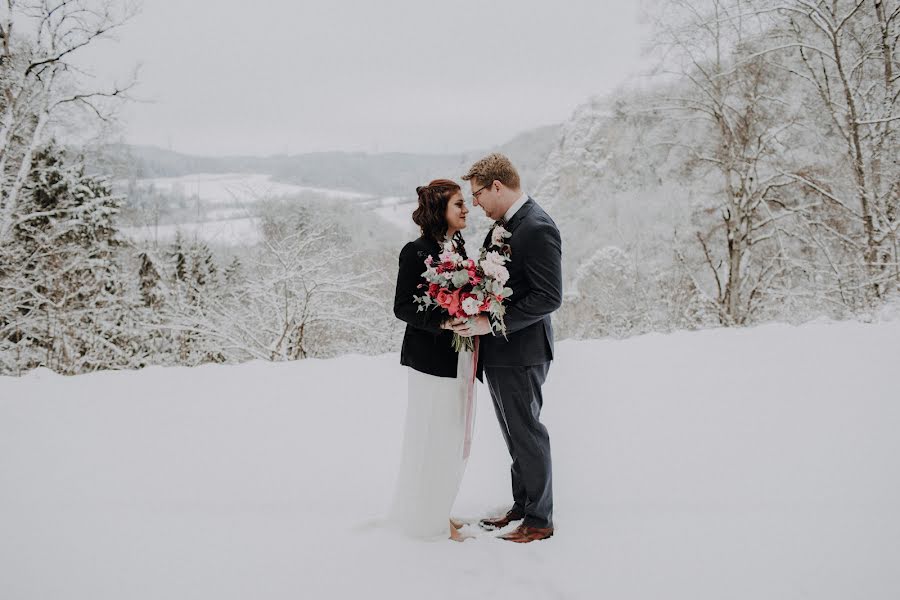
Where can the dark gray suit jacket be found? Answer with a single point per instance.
(535, 276)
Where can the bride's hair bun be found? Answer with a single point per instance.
(431, 209)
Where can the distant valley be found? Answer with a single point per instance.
(375, 174)
(216, 199)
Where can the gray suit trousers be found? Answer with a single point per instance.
(516, 392)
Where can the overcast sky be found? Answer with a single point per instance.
(274, 76)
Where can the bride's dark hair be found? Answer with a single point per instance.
(431, 213)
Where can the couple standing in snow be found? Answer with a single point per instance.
(441, 381)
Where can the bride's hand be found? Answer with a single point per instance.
(452, 323)
(479, 325)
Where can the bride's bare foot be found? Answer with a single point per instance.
(455, 535)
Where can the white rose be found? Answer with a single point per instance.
(497, 236)
(470, 306)
(495, 258)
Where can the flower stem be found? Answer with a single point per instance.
(461, 343)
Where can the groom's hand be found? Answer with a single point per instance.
(480, 325)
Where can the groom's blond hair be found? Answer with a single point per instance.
(494, 167)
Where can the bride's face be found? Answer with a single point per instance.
(456, 212)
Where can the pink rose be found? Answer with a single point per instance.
(443, 298)
(454, 307)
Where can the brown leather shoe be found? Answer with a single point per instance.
(524, 534)
(501, 522)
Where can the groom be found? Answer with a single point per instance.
(516, 366)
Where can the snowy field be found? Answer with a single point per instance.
(227, 207)
(757, 464)
(229, 231)
(242, 188)
(396, 210)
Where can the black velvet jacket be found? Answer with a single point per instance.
(426, 347)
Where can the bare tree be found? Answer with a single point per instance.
(306, 292)
(39, 79)
(733, 137)
(845, 52)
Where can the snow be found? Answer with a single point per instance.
(241, 188)
(397, 211)
(745, 463)
(224, 231)
(227, 201)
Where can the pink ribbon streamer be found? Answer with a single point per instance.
(470, 402)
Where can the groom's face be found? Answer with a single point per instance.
(485, 196)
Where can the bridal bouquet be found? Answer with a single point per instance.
(465, 288)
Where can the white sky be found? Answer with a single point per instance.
(274, 76)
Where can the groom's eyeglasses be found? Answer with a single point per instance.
(478, 191)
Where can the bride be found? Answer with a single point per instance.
(441, 400)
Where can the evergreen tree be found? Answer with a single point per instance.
(72, 313)
(234, 273)
(151, 294)
(178, 259)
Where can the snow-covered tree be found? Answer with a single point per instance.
(150, 282)
(845, 54)
(603, 297)
(306, 293)
(63, 298)
(733, 142)
(40, 83)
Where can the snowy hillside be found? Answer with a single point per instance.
(751, 463)
(607, 182)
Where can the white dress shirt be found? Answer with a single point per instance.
(515, 207)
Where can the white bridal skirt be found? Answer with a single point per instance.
(436, 438)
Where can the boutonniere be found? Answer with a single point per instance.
(499, 235)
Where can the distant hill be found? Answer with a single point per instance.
(381, 174)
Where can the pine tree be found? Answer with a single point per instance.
(178, 259)
(234, 273)
(72, 312)
(149, 276)
(203, 278)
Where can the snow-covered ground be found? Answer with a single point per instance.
(757, 463)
